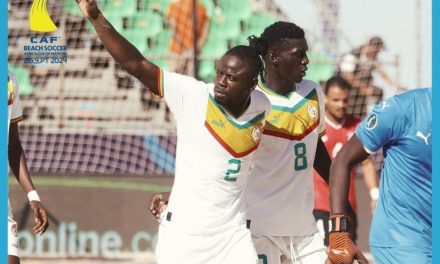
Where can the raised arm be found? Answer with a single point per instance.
(121, 50)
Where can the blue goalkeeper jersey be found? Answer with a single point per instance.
(402, 125)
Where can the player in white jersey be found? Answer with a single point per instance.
(219, 128)
(280, 198)
(17, 163)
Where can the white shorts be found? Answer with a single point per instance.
(12, 237)
(231, 247)
(290, 249)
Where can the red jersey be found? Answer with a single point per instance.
(335, 137)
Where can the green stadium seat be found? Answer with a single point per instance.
(236, 10)
(24, 80)
(71, 7)
(160, 50)
(157, 5)
(214, 47)
(224, 27)
(320, 68)
(161, 43)
(146, 22)
(116, 20)
(120, 7)
(258, 22)
(240, 40)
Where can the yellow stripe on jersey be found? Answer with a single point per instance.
(10, 92)
(295, 122)
(238, 140)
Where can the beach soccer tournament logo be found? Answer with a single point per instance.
(43, 49)
(39, 18)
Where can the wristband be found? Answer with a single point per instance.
(33, 196)
(338, 223)
(374, 193)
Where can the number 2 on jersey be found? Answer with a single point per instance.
(230, 173)
(300, 156)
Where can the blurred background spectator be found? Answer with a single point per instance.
(358, 67)
(181, 17)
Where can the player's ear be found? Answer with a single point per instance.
(273, 57)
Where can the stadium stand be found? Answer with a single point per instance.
(90, 95)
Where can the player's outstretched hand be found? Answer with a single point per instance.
(342, 250)
(89, 8)
(41, 222)
(158, 203)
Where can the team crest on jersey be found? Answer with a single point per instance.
(371, 122)
(10, 92)
(238, 139)
(294, 122)
(313, 111)
(256, 134)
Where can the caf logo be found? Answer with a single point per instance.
(39, 19)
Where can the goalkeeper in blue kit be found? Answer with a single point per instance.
(401, 231)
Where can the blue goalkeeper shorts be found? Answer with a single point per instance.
(394, 255)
